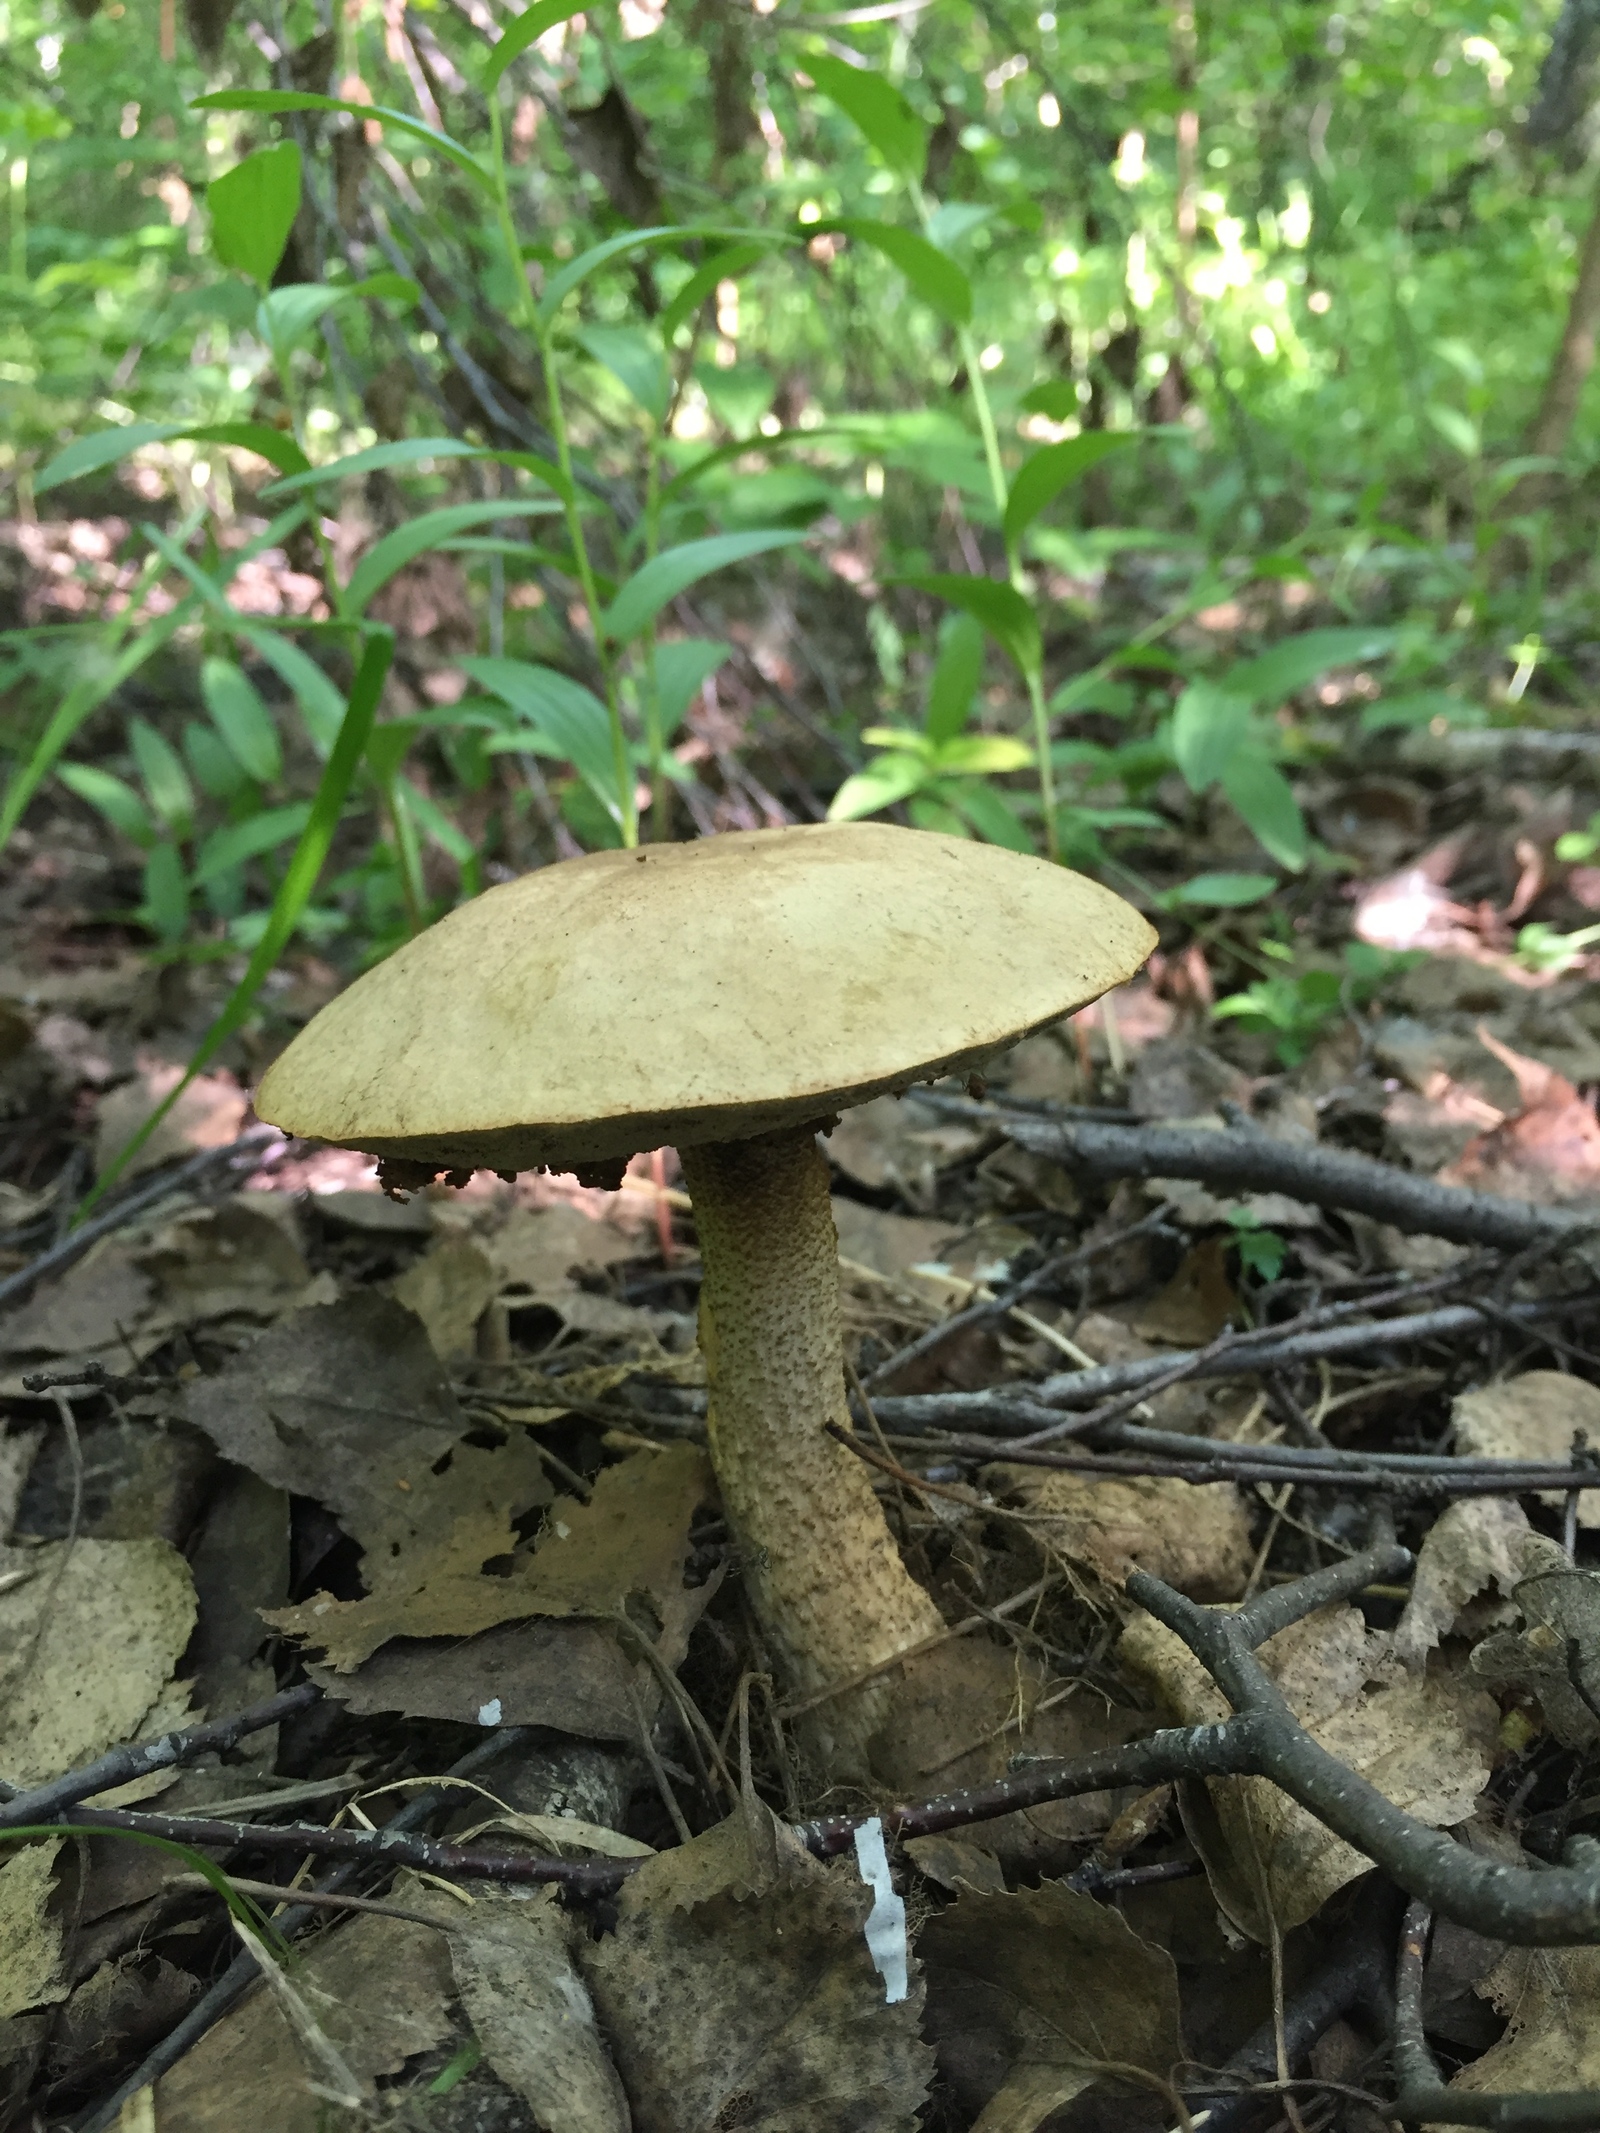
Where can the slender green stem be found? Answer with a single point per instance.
(528, 314)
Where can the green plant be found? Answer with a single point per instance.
(1224, 738)
(1261, 1251)
(1295, 1009)
(1576, 847)
(1542, 948)
(940, 769)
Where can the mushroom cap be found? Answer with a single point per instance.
(698, 992)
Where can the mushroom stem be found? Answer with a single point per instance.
(820, 1564)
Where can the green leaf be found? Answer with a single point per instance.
(274, 102)
(1265, 798)
(990, 814)
(252, 209)
(285, 317)
(722, 266)
(522, 31)
(956, 675)
(569, 719)
(933, 274)
(1002, 610)
(982, 755)
(886, 779)
(405, 452)
(1057, 400)
(165, 909)
(877, 109)
(1209, 727)
(322, 706)
(1223, 892)
(1420, 707)
(1045, 473)
(87, 455)
(1456, 429)
(294, 891)
(634, 359)
(111, 797)
(682, 670)
(418, 535)
(1299, 661)
(226, 849)
(166, 782)
(214, 766)
(954, 219)
(653, 584)
(560, 286)
(242, 719)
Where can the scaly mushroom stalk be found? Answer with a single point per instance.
(820, 1565)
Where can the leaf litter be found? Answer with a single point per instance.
(444, 1456)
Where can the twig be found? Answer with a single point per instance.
(1022, 1410)
(317, 1899)
(1424, 2099)
(242, 1972)
(1327, 1177)
(119, 1765)
(242, 1156)
(1060, 1268)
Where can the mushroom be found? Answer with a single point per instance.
(729, 998)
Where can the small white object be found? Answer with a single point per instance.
(489, 1713)
(885, 1928)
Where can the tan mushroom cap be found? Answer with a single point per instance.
(698, 992)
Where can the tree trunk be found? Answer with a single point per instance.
(1550, 428)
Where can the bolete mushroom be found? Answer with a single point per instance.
(727, 997)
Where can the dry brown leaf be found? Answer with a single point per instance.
(893, 1143)
(380, 1988)
(1426, 1742)
(571, 1677)
(542, 1248)
(1556, 1654)
(30, 1935)
(1534, 1416)
(531, 2012)
(738, 1991)
(886, 1243)
(1196, 1539)
(449, 1288)
(631, 1537)
(1196, 1303)
(131, 1292)
(87, 1648)
(1476, 1542)
(209, 1114)
(341, 1403)
(1549, 1152)
(954, 1863)
(1551, 1998)
(1035, 1997)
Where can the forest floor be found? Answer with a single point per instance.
(419, 1487)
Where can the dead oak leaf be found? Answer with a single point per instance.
(1551, 1997)
(1427, 1743)
(1556, 1654)
(531, 2011)
(1475, 1543)
(756, 2008)
(381, 1989)
(631, 1537)
(1196, 1539)
(340, 1403)
(1034, 1997)
(1535, 1415)
(88, 1645)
